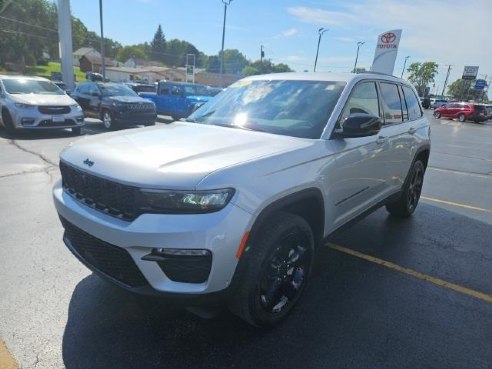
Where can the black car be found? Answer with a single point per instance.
(115, 104)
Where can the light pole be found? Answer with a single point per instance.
(359, 44)
(320, 31)
(226, 3)
(404, 64)
(103, 60)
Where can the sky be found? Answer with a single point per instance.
(448, 32)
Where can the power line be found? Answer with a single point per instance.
(29, 24)
(21, 33)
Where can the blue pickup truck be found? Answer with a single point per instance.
(178, 99)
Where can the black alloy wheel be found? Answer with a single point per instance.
(274, 270)
(107, 119)
(407, 202)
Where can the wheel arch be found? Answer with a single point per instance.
(307, 203)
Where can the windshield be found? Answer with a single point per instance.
(196, 90)
(117, 90)
(31, 86)
(285, 107)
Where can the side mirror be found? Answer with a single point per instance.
(359, 125)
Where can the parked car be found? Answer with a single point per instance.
(29, 103)
(462, 111)
(435, 103)
(235, 203)
(115, 104)
(178, 99)
(142, 87)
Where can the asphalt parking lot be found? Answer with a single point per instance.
(386, 293)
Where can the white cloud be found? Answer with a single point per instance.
(290, 32)
(322, 17)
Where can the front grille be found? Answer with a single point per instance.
(54, 110)
(103, 257)
(140, 106)
(50, 123)
(109, 197)
(187, 269)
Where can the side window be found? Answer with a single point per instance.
(176, 91)
(363, 100)
(414, 111)
(164, 89)
(391, 103)
(404, 104)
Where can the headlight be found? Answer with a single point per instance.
(76, 107)
(184, 201)
(24, 106)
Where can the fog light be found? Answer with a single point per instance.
(161, 254)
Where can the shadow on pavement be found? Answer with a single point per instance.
(354, 314)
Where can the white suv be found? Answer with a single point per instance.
(235, 202)
(35, 103)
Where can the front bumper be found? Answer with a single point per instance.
(116, 249)
(134, 118)
(32, 119)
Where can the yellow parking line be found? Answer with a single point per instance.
(6, 360)
(455, 204)
(413, 273)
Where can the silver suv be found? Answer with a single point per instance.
(30, 103)
(235, 202)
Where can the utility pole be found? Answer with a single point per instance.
(262, 54)
(226, 3)
(320, 31)
(446, 81)
(103, 57)
(404, 64)
(65, 35)
(359, 44)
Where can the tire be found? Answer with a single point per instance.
(406, 204)
(276, 271)
(7, 121)
(77, 131)
(107, 119)
(461, 118)
(437, 115)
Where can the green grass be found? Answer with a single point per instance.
(45, 71)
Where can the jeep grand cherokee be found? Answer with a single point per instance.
(235, 202)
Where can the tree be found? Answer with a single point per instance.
(127, 52)
(234, 61)
(422, 74)
(213, 64)
(158, 45)
(463, 90)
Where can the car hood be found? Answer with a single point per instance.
(173, 156)
(128, 99)
(35, 99)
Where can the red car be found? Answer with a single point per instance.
(462, 111)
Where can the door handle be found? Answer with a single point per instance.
(412, 130)
(381, 140)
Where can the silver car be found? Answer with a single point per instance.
(29, 103)
(235, 202)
